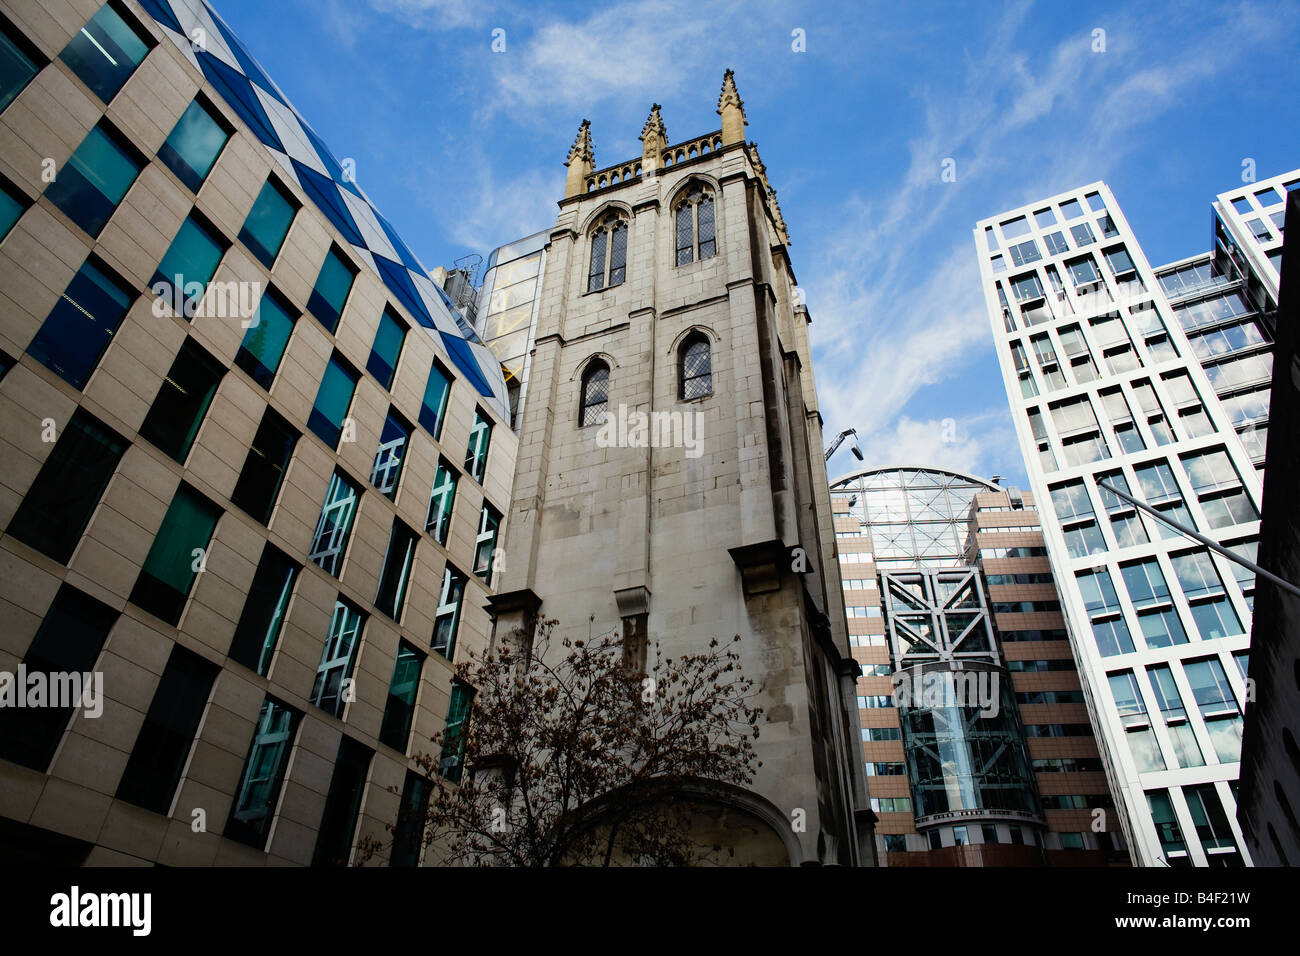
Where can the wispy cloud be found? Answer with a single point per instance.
(894, 291)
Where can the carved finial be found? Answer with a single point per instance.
(654, 127)
(581, 162)
(581, 148)
(732, 110)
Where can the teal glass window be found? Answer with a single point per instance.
(194, 144)
(332, 287)
(330, 541)
(387, 348)
(441, 501)
(390, 456)
(433, 410)
(266, 338)
(88, 187)
(105, 52)
(268, 222)
(408, 834)
(163, 744)
(477, 451)
(57, 508)
(189, 265)
(485, 547)
(183, 399)
(338, 823)
(264, 611)
(68, 641)
(402, 691)
(253, 808)
(338, 657)
(19, 62)
(396, 573)
(446, 620)
(176, 555)
(13, 203)
(450, 763)
(263, 473)
(333, 400)
(77, 331)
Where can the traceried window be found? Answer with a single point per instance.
(695, 231)
(696, 367)
(595, 394)
(608, 266)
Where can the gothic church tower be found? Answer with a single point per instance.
(668, 292)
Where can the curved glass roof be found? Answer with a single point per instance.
(240, 80)
(914, 516)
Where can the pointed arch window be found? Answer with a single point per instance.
(696, 366)
(608, 266)
(696, 234)
(595, 394)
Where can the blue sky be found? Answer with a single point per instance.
(463, 148)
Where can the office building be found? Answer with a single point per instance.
(1114, 398)
(975, 734)
(254, 462)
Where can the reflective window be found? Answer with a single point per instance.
(388, 346)
(268, 222)
(95, 178)
(390, 455)
(476, 453)
(441, 500)
(178, 552)
(67, 489)
(266, 338)
(194, 144)
(13, 201)
(182, 400)
(433, 409)
(73, 338)
(485, 546)
(330, 541)
(333, 400)
(332, 287)
(264, 468)
(105, 52)
(163, 744)
(396, 572)
(19, 62)
(189, 264)
(68, 641)
(338, 822)
(332, 690)
(402, 691)
(455, 731)
(253, 809)
(447, 617)
(264, 610)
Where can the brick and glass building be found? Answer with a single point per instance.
(975, 733)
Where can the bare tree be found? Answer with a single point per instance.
(580, 758)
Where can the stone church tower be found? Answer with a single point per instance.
(668, 293)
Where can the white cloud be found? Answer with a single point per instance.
(894, 292)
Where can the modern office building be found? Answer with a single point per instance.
(507, 310)
(1110, 393)
(671, 482)
(1269, 803)
(254, 463)
(975, 735)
